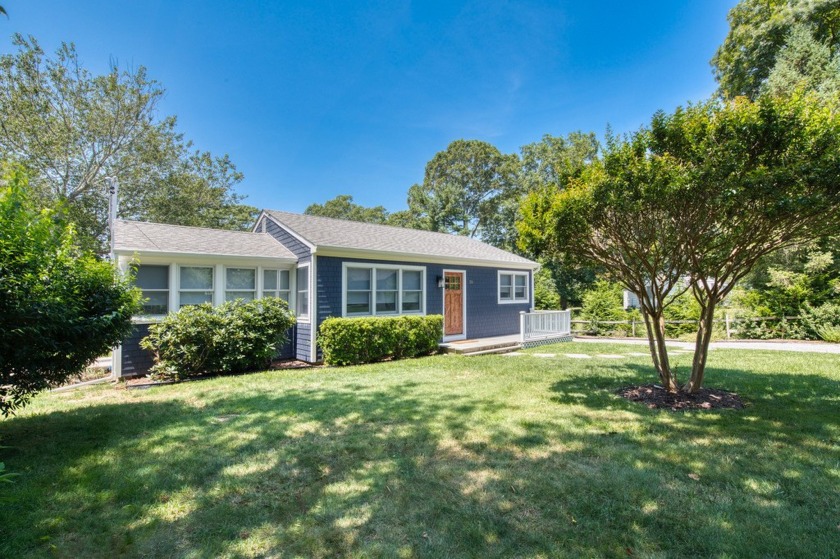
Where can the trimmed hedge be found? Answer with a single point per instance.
(233, 337)
(350, 341)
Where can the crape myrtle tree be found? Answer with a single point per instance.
(762, 176)
(703, 192)
(60, 307)
(622, 214)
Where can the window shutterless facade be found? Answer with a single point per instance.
(240, 283)
(371, 290)
(276, 284)
(195, 285)
(302, 280)
(153, 281)
(513, 287)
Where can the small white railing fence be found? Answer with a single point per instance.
(541, 325)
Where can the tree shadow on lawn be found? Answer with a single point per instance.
(389, 472)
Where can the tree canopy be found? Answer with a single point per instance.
(72, 130)
(60, 307)
(343, 207)
(759, 30)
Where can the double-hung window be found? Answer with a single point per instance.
(382, 290)
(276, 284)
(240, 283)
(303, 291)
(153, 281)
(513, 287)
(196, 285)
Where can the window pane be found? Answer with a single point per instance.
(158, 302)
(386, 280)
(152, 277)
(244, 295)
(303, 278)
(240, 278)
(195, 298)
(386, 301)
(284, 279)
(358, 279)
(196, 278)
(411, 301)
(303, 303)
(283, 295)
(504, 292)
(411, 281)
(519, 293)
(358, 302)
(520, 281)
(505, 280)
(270, 280)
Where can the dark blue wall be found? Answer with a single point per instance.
(485, 316)
(286, 239)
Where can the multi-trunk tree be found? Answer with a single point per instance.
(702, 193)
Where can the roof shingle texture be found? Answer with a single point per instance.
(343, 234)
(158, 237)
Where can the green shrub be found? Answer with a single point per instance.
(605, 303)
(686, 311)
(349, 341)
(60, 307)
(234, 337)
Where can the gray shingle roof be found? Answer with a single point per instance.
(137, 236)
(342, 234)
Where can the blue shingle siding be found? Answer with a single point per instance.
(286, 239)
(485, 316)
(136, 361)
(303, 341)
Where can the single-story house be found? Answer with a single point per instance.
(323, 267)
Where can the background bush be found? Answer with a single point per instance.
(349, 341)
(60, 307)
(605, 303)
(233, 337)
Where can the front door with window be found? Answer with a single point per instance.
(453, 303)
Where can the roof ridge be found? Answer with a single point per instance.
(134, 221)
(443, 233)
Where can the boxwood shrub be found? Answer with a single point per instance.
(349, 341)
(233, 337)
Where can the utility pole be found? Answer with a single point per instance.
(112, 212)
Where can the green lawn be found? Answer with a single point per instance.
(492, 456)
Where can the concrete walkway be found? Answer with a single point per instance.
(774, 345)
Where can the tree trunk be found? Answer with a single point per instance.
(701, 348)
(656, 341)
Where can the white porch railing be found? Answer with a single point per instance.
(542, 325)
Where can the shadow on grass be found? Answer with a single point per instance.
(395, 472)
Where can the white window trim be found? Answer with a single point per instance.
(213, 283)
(513, 300)
(304, 318)
(255, 291)
(373, 268)
(275, 292)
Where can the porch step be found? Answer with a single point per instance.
(479, 348)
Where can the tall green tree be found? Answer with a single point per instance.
(759, 30)
(464, 191)
(73, 130)
(60, 307)
(343, 207)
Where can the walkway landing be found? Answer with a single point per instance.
(480, 346)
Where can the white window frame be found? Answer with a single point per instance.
(277, 292)
(167, 290)
(307, 288)
(256, 280)
(513, 299)
(373, 268)
(212, 283)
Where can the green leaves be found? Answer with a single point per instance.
(233, 337)
(350, 341)
(60, 307)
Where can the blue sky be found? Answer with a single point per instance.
(314, 99)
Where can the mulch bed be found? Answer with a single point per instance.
(656, 397)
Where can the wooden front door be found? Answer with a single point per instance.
(453, 303)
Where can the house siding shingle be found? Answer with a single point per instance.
(286, 239)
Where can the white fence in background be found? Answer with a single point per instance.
(537, 326)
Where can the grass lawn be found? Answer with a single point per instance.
(491, 456)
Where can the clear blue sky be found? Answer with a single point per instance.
(314, 99)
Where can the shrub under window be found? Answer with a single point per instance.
(348, 341)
